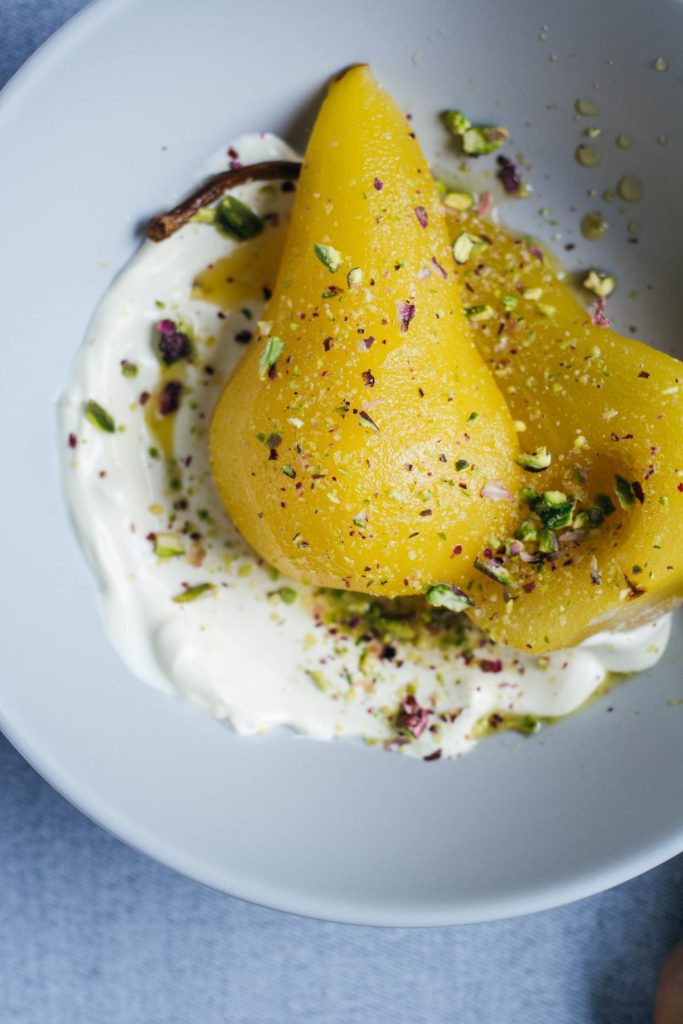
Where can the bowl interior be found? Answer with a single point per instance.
(123, 106)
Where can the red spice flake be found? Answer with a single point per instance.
(327, 344)
(169, 399)
(680, 487)
(437, 266)
(457, 550)
(508, 175)
(536, 252)
(495, 720)
(173, 344)
(598, 314)
(644, 373)
(72, 440)
(412, 717)
(233, 154)
(144, 397)
(638, 491)
(488, 665)
(421, 215)
(435, 756)
(426, 512)
(528, 587)
(406, 312)
(368, 378)
(378, 184)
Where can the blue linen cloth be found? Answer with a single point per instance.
(93, 933)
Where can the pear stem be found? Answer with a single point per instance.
(166, 224)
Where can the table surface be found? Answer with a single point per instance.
(92, 932)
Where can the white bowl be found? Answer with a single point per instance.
(107, 125)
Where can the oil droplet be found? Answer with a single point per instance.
(630, 189)
(624, 141)
(587, 156)
(587, 108)
(592, 193)
(593, 225)
(663, 140)
(660, 64)
(633, 227)
(608, 195)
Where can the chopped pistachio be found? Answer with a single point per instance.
(461, 464)
(482, 139)
(99, 416)
(204, 215)
(533, 294)
(548, 543)
(328, 256)
(459, 200)
(529, 496)
(455, 121)
(526, 530)
(555, 509)
(272, 350)
(495, 572)
(236, 219)
(168, 545)
(535, 462)
(599, 283)
(192, 593)
(473, 417)
(287, 595)
(354, 278)
(624, 492)
(129, 369)
(475, 314)
(360, 520)
(510, 302)
(465, 245)
(289, 471)
(447, 595)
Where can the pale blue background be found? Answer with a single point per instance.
(93, 933)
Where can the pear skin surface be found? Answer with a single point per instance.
(353, 442)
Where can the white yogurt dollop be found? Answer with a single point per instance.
(254, 650)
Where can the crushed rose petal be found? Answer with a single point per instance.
(491, 665)
(437, 266)
(378, 184)
(169, 399)
(598, 314)
(421, 215)
(497, 491)
(485, 204)
(406, 312)
(412, 717)
(508, 175)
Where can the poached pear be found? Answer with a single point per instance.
(362, 443)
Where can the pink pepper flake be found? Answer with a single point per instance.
(599, 315)
(485, 204)
(235, 165)
(535, 251)
(406, 312)
(680, 488)
(378, 184)
(412, 717)
(232, 153)
(73, 440)
(439, 269)
(421, 215)
(489, 665)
